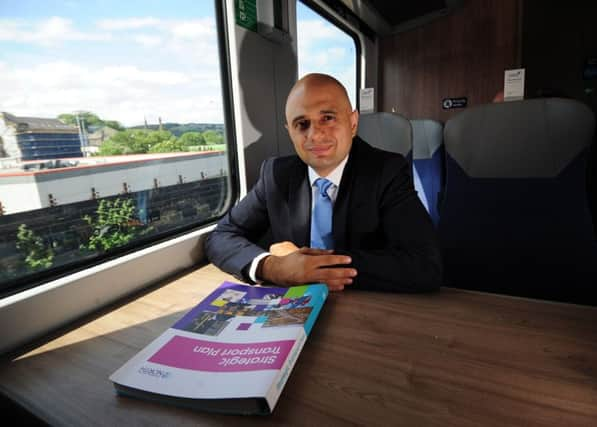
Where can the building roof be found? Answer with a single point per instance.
(41, 167)
(31, 124)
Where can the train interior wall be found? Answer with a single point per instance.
(465, 53)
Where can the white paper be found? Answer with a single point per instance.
(366, 99)
(514, 84)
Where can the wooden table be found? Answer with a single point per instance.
(451, 358)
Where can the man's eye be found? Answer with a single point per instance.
(327, 118)
(303, 125)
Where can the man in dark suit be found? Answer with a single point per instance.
(381, 237)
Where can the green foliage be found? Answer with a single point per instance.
(37, 254)
(169, 146)
(189, 139)
(179, 129)
(111, 148)
(212, 137)
(159, 136)
(113, 124)
(86, 117)
(68, 119)
(217, 147)
(135, 141)
(113, 225)
(139, 141)
(89, 119)
(128, 142)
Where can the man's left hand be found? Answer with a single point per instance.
(283, 248)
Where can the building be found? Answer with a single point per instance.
(37, 185)
(34, 138)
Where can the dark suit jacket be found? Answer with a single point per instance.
(378, 220)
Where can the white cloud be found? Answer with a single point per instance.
(312, 33)
(148, 40)
(127, 23)
(9, 30)
(325, 60)
(178, 35)
(129, 74)
(192, 40)
(192, 29)
(46, 32)
(166, 68)
(177, 29)
(123, 93)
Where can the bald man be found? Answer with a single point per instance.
(381, 238)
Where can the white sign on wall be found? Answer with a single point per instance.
(366, 100)
(514, 84)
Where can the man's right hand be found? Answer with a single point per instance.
(307, 265)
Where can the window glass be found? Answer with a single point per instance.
(112, 130)
(324, 48)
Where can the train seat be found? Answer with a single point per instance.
(428, 157)
(515, 216)
(388, 131)
(392, 132)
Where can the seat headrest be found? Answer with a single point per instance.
(520, 139)
(427, 137)
(388, 131)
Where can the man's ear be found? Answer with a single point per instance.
(354, 122)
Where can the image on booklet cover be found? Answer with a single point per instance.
(292, 316)
(208, 323)
(262, 307)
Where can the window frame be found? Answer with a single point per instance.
(55, 303)
(32, 280)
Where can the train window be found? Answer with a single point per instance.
(112, 131)
(324, 47)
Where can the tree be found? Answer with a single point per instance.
(88, 119)
(111, 148)
(189, 139)
(169, 146)
(212, 137)
(113, 225)
(135, 141)
(159, 136)
(113, 124)
(130, 141)
(37, 254)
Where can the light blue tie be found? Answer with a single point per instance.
(321, 220)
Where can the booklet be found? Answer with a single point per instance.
(232, 353)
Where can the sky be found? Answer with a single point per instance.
(134, 60)
(324, 48)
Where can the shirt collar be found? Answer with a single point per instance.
(335, 176)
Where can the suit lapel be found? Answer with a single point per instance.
(299, 203)
(345, 194)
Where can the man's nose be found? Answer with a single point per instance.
(316, 132)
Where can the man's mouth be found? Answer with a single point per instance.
(320, 150)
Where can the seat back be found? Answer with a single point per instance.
(388, 131)
(515, 216)
(392, 132)
(428, 158)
